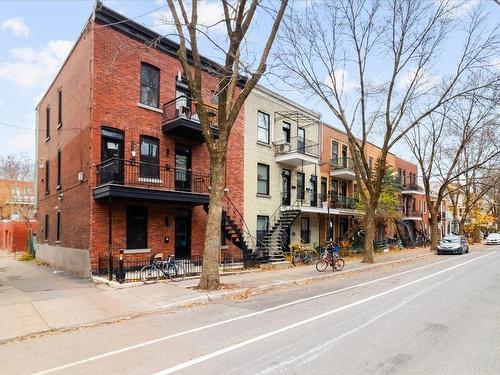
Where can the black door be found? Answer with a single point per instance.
(285, 241)
(343, 227)
(286, 185)
(314, 191)
(300, 185)
(301, 140)
(182, 233)
(112, 167)
(182, 168)
(150, 158)
(323, 190)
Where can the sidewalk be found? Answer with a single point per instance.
(36, 298)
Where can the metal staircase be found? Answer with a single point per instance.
(271, 245)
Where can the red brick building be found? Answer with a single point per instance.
(122, 163)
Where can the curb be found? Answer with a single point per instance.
(210, 297)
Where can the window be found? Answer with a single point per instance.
(314, 190)
(300, 185)
(47, 175)
(150, 85)
(262, 226)
(59, 153)
(324, 197)
(286, 132)
(59, 109)
(335, 152)
(263, 127)
(150, 158)
(47, 123)
(263, 179)
(137, 228)
(46, 228)
(58, 226)
(301, 140)
(305, 233)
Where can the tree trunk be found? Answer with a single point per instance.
(461, 227)
(434, 229)
(210, 275)
(369, 235)
(476, 237)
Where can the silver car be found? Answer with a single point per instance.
(493, 239)
(453, 244)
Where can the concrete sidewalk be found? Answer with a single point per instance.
(36, 298)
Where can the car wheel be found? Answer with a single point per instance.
(438, 252)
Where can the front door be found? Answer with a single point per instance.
(285, 187)
(301, 140)
(150, 158)
(182, 168)
(111, 156)
(343, 227)
(182, 233)
(314, 191)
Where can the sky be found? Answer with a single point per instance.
(36, 37)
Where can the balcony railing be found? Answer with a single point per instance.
(297, 144)
(343, 162)
(333, 200)
(412, 213)
(409, 184)
(184, 107)
(152, 176)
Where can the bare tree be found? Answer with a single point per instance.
(16, 167)
(454, 149)
(322, 46)
(232, 89)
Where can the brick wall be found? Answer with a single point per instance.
(73, 139)
(14, 234)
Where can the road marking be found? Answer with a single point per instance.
(231, 320)
(242, 344)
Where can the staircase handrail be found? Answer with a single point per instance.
(247, 231)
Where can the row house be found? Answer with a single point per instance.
(122, 165)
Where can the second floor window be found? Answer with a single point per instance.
(286, 132)
(263, 125)
(59, 110)
(150, 85)
(47, 175)
(335, 152)
(263, 179)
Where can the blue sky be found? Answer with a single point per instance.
(36, 36)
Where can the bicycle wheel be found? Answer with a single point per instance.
(339, 264)
(321, 265)
(149, 274)
(176, 273)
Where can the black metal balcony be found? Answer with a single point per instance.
(409, 185)
(332, 200)
(412, 213)
(181, 119)
(342, 167)
(133, 179)
(297, 151)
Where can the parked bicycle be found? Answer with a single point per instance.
(157, 268)
(330, 257)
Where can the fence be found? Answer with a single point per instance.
(128, 269)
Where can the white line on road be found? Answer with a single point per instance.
(242, 344)
(231, 320)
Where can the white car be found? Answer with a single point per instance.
(493, 239)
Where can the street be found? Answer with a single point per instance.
(434, 316)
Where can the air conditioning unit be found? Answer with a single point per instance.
(283, 148)
(80, 176)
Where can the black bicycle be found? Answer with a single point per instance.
(156, 268)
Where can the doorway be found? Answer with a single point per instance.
(182, 168)
(286, 178)
(182, 233)
(111, 156)
(343, 227)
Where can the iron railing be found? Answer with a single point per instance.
(412, 213)
(332, 200)
(342, 162)
(409, 183)
(297, 144)
(184, 107)
(127, 269)
(134, 173)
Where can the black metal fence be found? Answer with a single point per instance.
(128, 269)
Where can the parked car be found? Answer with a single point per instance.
(453, 245)
(493, 239)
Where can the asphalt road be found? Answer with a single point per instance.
(438, 316)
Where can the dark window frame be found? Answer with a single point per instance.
(59, 109)
(263, 179)
(59, 169)
(47, 123)
(260, 232)
(58, 226)
(46, 228)
(47, 177)
(305, 232)
(287, 131)
(131, 243)
(145, 101)
(335, 147)
(268, 130)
